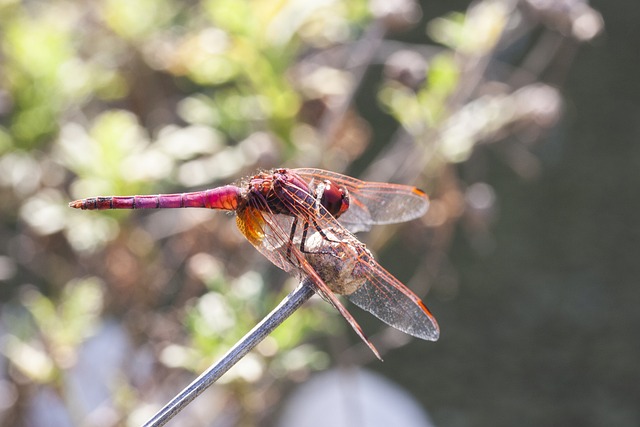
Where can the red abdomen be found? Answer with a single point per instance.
(225, 198)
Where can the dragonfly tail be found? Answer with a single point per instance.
(224, 198)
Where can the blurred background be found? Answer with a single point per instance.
(516, 116)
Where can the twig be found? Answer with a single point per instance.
(287, 307)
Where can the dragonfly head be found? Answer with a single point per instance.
(334, 198)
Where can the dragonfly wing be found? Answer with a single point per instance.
(328, 295)
(272, 235)
(372, 202)
(269, 233)
(389, 300)
(381, 294)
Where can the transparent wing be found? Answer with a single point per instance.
(272, 235)
(381, 294)
(372, 202)
(266, 231)
(389, 300)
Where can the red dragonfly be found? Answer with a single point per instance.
(291, 217)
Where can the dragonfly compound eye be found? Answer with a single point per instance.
(334, 199)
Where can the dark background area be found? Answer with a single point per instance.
(544, 330)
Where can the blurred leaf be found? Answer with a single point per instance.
(137, 19)
(49, 344)
(443, 76)
(447, 29)
(74, 318)
(6, 141)
(32, 361)
(473, 33)
(34, 72)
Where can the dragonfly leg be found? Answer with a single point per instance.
(321, 210)
(305, 231)
(292, 234)
(322, 233)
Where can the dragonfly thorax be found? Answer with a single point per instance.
(280, 190)
(263, 194)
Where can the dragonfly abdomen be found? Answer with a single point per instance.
(225, 198)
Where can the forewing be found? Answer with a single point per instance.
(372, 202)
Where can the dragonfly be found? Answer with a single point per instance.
(303, 221)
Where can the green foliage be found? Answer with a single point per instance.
(87, 107)
(48, 340)
(119, 97)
